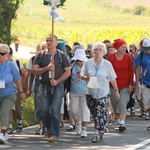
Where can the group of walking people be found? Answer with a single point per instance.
(92, 80)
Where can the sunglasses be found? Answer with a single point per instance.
(3, 53)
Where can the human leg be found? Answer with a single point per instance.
(5, 107)
(121, 108)
(71, 118)
(55, 105)
(75, 111)
(85, 115)
(100, 118)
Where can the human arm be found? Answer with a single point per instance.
(114, 84)
(137, 77)
(20, 89)
(64, 76)
(36, 70)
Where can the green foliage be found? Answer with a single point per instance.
(7, 13)
(139, 9)
(29, 112)
(47, 2)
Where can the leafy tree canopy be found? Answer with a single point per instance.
(8, 10)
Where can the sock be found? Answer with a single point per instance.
(118, 121)
(20, 123)
(122, 122)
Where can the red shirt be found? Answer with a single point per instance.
(123, 69)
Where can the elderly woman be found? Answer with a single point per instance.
(98, 97)
(8, 75)
(123, 66)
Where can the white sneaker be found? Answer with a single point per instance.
(3, 138)
(83, 133)
(78, 128)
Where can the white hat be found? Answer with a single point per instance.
(79, 55)
(93, 84)
(146, 44)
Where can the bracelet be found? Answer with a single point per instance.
(116, 90)
(21, 92)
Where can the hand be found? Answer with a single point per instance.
(53, 82)
(130, 88)
(29, 92)
(90, 75)
(137, 89)
(23, 96)
(117, 95)
(51, 67)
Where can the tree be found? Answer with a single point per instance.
(8, 10)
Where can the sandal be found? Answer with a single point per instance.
(71, 127)
(19, 127)
(10, 131)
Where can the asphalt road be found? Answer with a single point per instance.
(135, 137)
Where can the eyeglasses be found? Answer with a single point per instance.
(96, 49)
(3, 53)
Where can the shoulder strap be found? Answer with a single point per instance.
(33, 59)
(18, 64)
(42, 53)
(141, 54)
(60, 55)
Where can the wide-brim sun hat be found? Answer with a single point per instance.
(79, 55)
(146, 44)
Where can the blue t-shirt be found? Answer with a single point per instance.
(77, 87)
(144, 62)
(9, 73)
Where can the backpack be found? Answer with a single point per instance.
(18, 64)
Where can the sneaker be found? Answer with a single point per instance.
(142, 115)
(3, 138)
(122, 127)
(10, 131)
(147, 117)
(83, 134)
(38, 131)
(117, 126)
(132, 111)
(95, 138)
(71, 127)
(78, 128)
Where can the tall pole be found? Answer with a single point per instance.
(52, 60)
